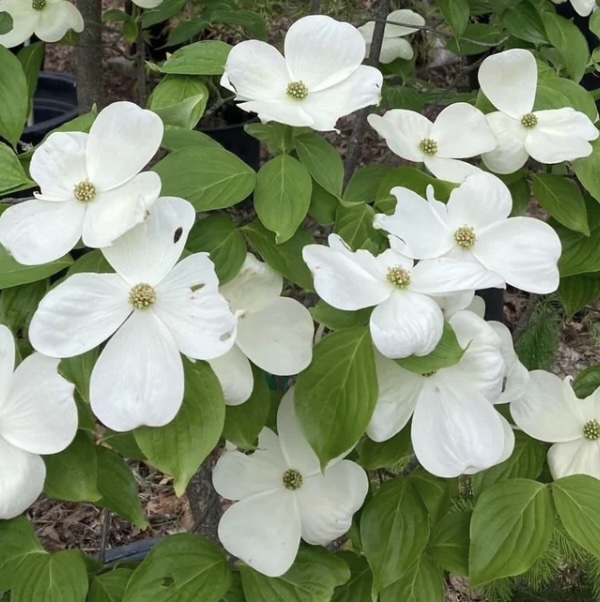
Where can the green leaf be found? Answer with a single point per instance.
(31, 58)
(118, 488)
(180, 568)
(12, 175)
(209, 178)
(570, 43)
(576, 499)
(358, 588)
(285, 258)
(580, 253)
(355, 225)
(394, 451)
(244, 422)
(92, 261)
(186, 30)
(72, 474)
(394, 527)
(586, 382)
(312, 578)
(557, 92)
(478, 38)
(236, 591)
(401, 97)
(337, 319)
(448, 352)
(124, 444)
(578, 291)
(524, 22)
(423, 582)
(19, 303)
(526, 461)
(336, 395)
(364, 183)
(449, 543)
(14, 97)
(177, 138)
(218, 235)
(202, 58)
(511, 528)
(78, 370)
(110, 586)
(251, 21)
(282, 196)
(456, 13)
(587, 170)
(562, 199)
(434, 492)
(50, 578)
(179, 100)
(13, 273)
(182, 445)
(322, 161)
(323, 206)
(18, 540)
(278, 137)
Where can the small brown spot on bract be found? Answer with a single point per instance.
(177, 235)
(197, 287)
(225, 336)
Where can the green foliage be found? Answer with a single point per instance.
(18, 541)
(456, 13)
(393, 452)
(313, 578)
(182, 445)
(337, 319)
(335, 396)
(578, 291)
(179, 100)
(322, 161)
(587, 381)
(282, 196)
(355, 225)
(422, 582)
(360, 584)
(202, 58)
(182, 567)
(449, 543)
(14, 97)
(109, 587)
(511, 527)
(210, 178)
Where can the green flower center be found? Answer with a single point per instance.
(292, 479)
(398, 276)
(465, 237)
(428, 146)
(142, 296)
(38, 4)
(591, 430)
(529, 120)
(85, 192)
(297, 90)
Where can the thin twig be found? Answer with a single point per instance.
(360, 123)
(140, 59)
(106, 521)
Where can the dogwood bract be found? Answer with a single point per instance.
(509, 80)
(582, 7)
(274, 332)
(394, 46)
(49, 20)
(282, 496)
(455, 427)
(147, 3)
(475, 226)
(156, 308)
(550, 411)
(320, 79)
(90, 185)
(460, 131)
(406, 320)
(37, 416)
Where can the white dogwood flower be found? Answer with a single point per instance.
(37, 416)
(394, 46)
(282, 496)
(459, 132)
(90, 185)
(475, 226)
(509, 80)
(154, 308)
(455, 427)
(582, 7)
(274, 332)
(147, 3)
(49, 20)
(320, 79)
(406, 319)
(550, 411)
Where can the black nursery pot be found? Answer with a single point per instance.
(133, 552)
(232, 136)
(54, 103)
